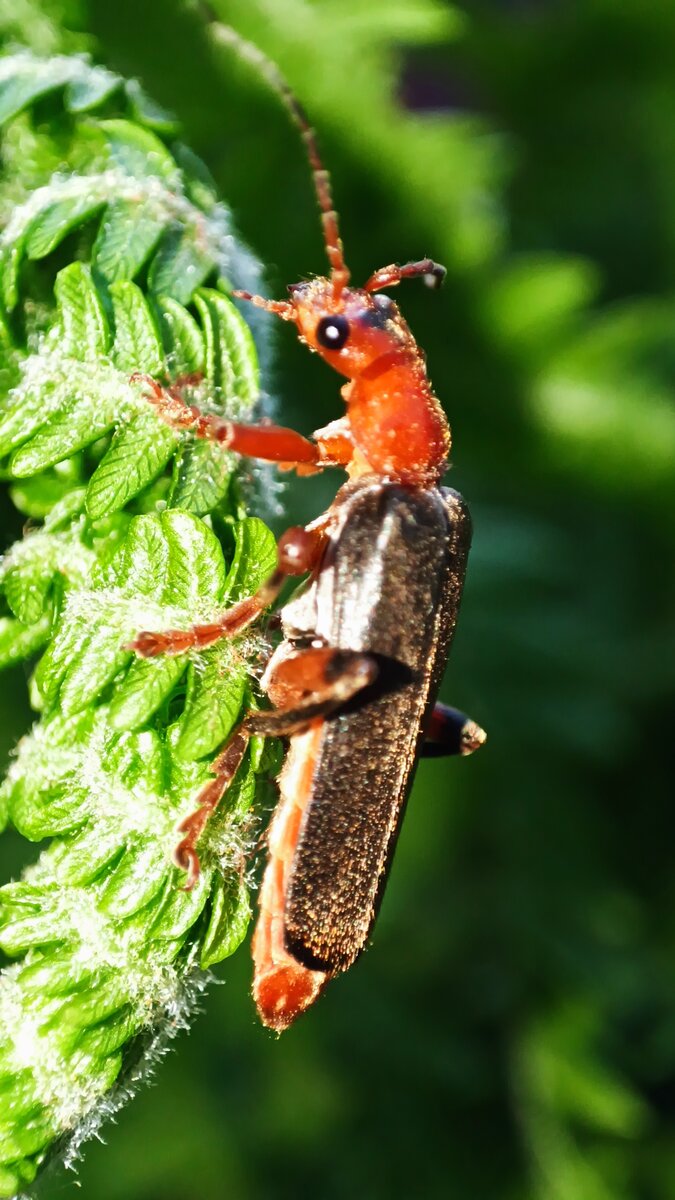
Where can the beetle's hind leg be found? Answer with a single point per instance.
(306, 685)
(224, 769)
(450, 731)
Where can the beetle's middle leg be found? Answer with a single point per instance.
(298, 551)
(305, 686)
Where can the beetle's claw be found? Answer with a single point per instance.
(472, 737)
(185, 857)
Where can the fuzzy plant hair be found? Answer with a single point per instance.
(115, 257)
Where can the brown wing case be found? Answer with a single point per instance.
(390, 585)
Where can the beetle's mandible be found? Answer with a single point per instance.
(354, 681)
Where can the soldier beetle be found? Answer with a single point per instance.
(354, 681)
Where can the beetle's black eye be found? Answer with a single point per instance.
(332, 332)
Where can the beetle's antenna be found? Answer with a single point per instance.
(431, 272)
(321, 177)
(282, 308)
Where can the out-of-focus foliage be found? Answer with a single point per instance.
(511, 1034)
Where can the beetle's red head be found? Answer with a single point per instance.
(351, 331)
(350, 327)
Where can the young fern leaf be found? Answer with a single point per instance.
(106, 947)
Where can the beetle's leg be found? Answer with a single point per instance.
(299, 550)
(335, 443)
(432, 272)
(269, 443)
(305, 685)
(311, 683)
(451, 732)
(224, 769)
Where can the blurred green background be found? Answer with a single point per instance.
(511, 1033)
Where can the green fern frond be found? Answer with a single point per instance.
(139, 528)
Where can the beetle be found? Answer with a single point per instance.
(353, 683)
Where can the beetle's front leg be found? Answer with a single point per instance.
(267, 442)
(306, 685)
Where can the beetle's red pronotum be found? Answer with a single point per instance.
(354, 681)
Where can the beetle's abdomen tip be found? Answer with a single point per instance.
(283, 993)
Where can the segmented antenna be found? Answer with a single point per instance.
(271, 73)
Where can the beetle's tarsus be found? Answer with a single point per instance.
(473, 737)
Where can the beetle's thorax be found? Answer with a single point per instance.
(397, 424)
